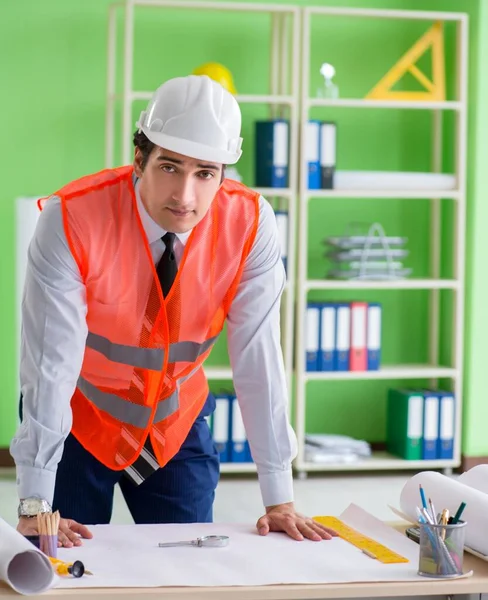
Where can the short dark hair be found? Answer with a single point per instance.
(145, 145)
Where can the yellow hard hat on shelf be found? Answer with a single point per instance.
(218, 73)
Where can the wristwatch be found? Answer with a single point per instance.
(29, 507)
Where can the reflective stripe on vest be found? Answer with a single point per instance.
(147, 358)
(128, 412)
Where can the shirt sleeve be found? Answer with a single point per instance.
(257, 362)
(53, 337)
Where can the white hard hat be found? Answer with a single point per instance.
(194, 116)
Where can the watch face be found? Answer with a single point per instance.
(31, 506)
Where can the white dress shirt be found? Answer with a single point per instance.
(54, 332)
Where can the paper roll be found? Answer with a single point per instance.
(22, 566)
(392, 180)
(477, 478)
(446, 492)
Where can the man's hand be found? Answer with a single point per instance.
(68, 535)
(283, 517)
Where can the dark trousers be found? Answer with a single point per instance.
(183, 491)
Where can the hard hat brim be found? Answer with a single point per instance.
(192, 149)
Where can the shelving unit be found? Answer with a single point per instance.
(432, 371)
(282, 96)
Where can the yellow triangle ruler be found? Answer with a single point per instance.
(365, 544)
(434, 90)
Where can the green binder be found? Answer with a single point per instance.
(405, 421)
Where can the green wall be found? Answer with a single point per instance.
(54, 106)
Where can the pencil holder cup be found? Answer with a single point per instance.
(49, 545)
(441, 550)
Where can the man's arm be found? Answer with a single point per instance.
(260, 383)
(53, 339)
(257, 362)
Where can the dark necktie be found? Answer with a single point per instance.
(167, 267)
(146, 463)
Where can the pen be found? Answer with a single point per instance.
(422, 496)
(432, 510)
(459, 512)
(444, 521)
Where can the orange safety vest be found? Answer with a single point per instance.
(142, 369)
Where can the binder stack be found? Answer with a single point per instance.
(343, 336)
(421, 424)
(228, 431)
(271, 153)
(321, 154)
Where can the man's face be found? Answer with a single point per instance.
(176, 190)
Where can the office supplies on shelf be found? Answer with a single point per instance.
(343, 337)
(373, 343)
(313, 154)
(394, 181)
(239, 450)
(432, 40)
(227, 429)
(220, 427)
(368, 255)
(327, 351)
(328, 150)
(324, 448)
(312, 340)
(431, 425)
(404, 423)
(359, 358)
(445, 443)
(271, 153)
(328, 89)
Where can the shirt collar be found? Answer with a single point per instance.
(153, 231)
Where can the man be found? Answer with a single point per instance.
(131, 275)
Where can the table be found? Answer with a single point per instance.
(470, 588)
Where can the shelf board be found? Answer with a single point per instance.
(393, 194)
(396, 284)
(218, 372)
(379, 461)
(403, 104)
(386, 372)
(241, 98)
(270, 192)
(237, 467)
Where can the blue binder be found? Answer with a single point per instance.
(343, 336)
(312, 336)
(327, 352)
(431, 425)
(445, 445)
(239, 446)
(271, 155)
(313, 154)
(374, 336)
(221, 427)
